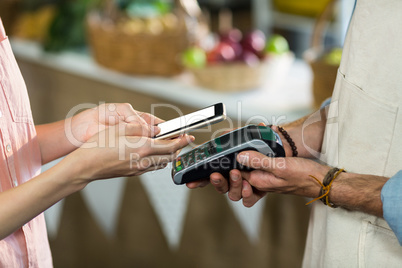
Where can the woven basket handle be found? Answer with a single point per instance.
(321, 24)
(190, 7)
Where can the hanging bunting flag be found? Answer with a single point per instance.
(249, 218)
(103, 199)
(169, 202)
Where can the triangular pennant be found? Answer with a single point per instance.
(169, 201)
(249, 218)
(103, 199)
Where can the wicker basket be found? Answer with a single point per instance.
(237, 76)
(230, 77)
(324, 74)
(140, 53)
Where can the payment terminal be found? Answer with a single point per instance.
(219, 154)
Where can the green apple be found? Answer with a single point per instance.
(277, 44)
(194, 57)
(333, 57)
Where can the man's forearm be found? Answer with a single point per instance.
(358, 192)
(307, 134)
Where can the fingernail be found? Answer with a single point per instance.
(235, 177)
(188, 138)
(243, 158)
(155, 129)
(216, 181)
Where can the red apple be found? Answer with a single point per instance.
(238, 49)
(254, 42)
(249, 58)
(233, 35)
(223, 52)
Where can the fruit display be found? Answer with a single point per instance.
(251, 49)
(150, 25)
(145, 8)
(149, 17)
(234, 60)
(143, 37)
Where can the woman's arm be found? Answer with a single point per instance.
(53, 142)
(105, 155)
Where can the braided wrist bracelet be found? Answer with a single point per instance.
(289, 140)
(326, 186)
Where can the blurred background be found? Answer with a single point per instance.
(269, 61)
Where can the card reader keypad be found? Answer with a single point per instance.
(194, 156)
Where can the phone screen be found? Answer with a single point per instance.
(186, 120)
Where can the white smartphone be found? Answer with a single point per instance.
(186, 123)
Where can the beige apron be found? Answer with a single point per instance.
(363, 135)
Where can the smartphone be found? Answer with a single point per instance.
(186, 123)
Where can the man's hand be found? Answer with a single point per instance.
(237, 188)
(289, 175)
(292, 175)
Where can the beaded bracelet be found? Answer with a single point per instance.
(289, 140)
(326, 186)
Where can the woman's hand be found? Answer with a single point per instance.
(86, 124)
(123, 150)
(60, 138)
